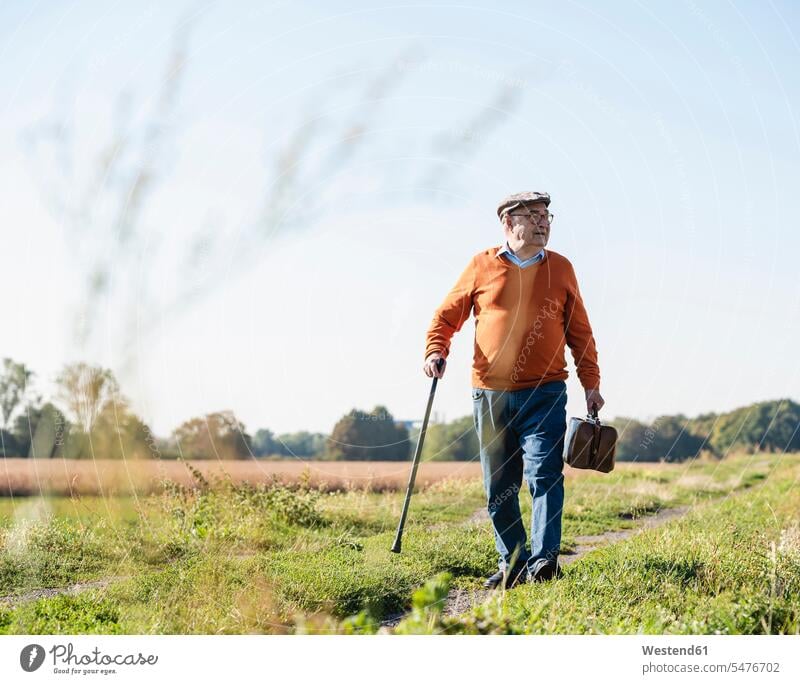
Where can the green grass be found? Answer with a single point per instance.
(223, 559)
(85, 509)
(727, 567)
(599, 503)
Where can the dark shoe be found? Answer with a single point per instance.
(517, 576)
(544, 570)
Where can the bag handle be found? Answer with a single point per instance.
(595, 420)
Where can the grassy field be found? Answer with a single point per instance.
(240, 557)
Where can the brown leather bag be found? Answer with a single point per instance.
(590, 445)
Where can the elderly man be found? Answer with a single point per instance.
(527, 305)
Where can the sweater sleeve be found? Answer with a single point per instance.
(578, 332)
(451, 314)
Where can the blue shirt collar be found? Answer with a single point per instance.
(505, 249)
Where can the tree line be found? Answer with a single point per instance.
(771, 426)
(89, 417)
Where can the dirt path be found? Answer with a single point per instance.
(14, 599)
(461, 600)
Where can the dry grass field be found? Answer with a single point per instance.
(24, 477)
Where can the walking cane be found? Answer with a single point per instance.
(399, 537)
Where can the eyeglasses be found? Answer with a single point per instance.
(536, 218)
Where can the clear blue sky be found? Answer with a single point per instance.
(666, 133)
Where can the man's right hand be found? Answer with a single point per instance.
(430, 365)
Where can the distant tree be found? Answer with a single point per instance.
(117, 433)
(673, 440)
(301, 444)
(41, 431)
(104, 424)
(217, 435)
(454, 441)
(14, 382)
(265, 444)
(668, 438)
(703, 426)
(86, 390)
(635, 440)
(165, 448)
(784, 431)
(768, 425)
(10, 447)
(373, 436)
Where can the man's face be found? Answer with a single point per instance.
(528, 225)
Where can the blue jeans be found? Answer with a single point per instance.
(521, 433)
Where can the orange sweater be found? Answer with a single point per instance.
(523, 317)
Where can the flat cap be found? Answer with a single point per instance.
(520, 198)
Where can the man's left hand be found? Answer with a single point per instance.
(593, 397)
